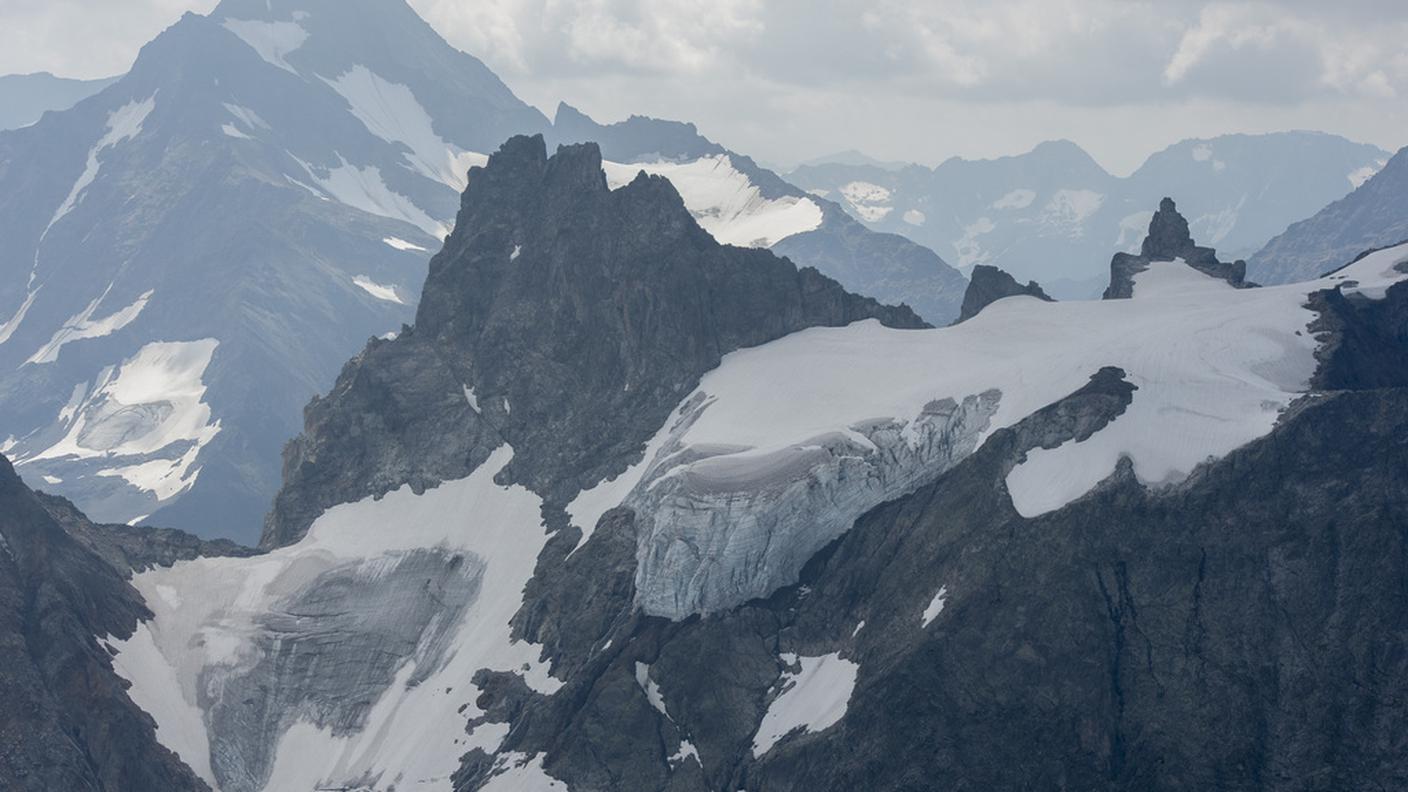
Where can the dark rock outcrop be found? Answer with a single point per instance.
(134, 548)
(1169, 239)
(987, 285)
(563, 318)
(66, 721)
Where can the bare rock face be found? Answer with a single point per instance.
(988, 284)
(66, 721)
(1169, 239)
(563, 318)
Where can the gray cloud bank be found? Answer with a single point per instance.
(789, 79)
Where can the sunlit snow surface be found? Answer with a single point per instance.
(725, 202)
(209, 615)
(364, 188)
(390, 111)
(274, 41)
(378, 290)
(83, 325)
(1214, 367)
(813, 698)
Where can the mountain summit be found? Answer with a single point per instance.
(565, 318)
(1169, 239)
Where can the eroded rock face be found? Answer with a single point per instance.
(714, 533)
(1169, 239)
(988, 284)
(563, 318)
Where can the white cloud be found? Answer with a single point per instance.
(901, 79)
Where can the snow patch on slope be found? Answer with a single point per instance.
(13, 323)
(1017, 199)
(82, 325)
(123, 124)
(935, 607)
(651, 690)
(213, 630)
(1361, 175)
(1069, 209)
(377, 290)
(363, 188)
(390, 111)
(274, 41)
(970, 251)
(870, 201)
(247, 117)
(814, 697)
(725, 202)
(403, 245)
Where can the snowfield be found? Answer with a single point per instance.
(725, 201)
(1214, 366)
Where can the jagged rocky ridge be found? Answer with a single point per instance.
(563, 318)
(1169, 239)
(987, 285)
(744, 203)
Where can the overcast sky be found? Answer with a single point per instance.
(786, 80)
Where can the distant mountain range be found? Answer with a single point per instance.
(1053, 214)
(26, 97)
